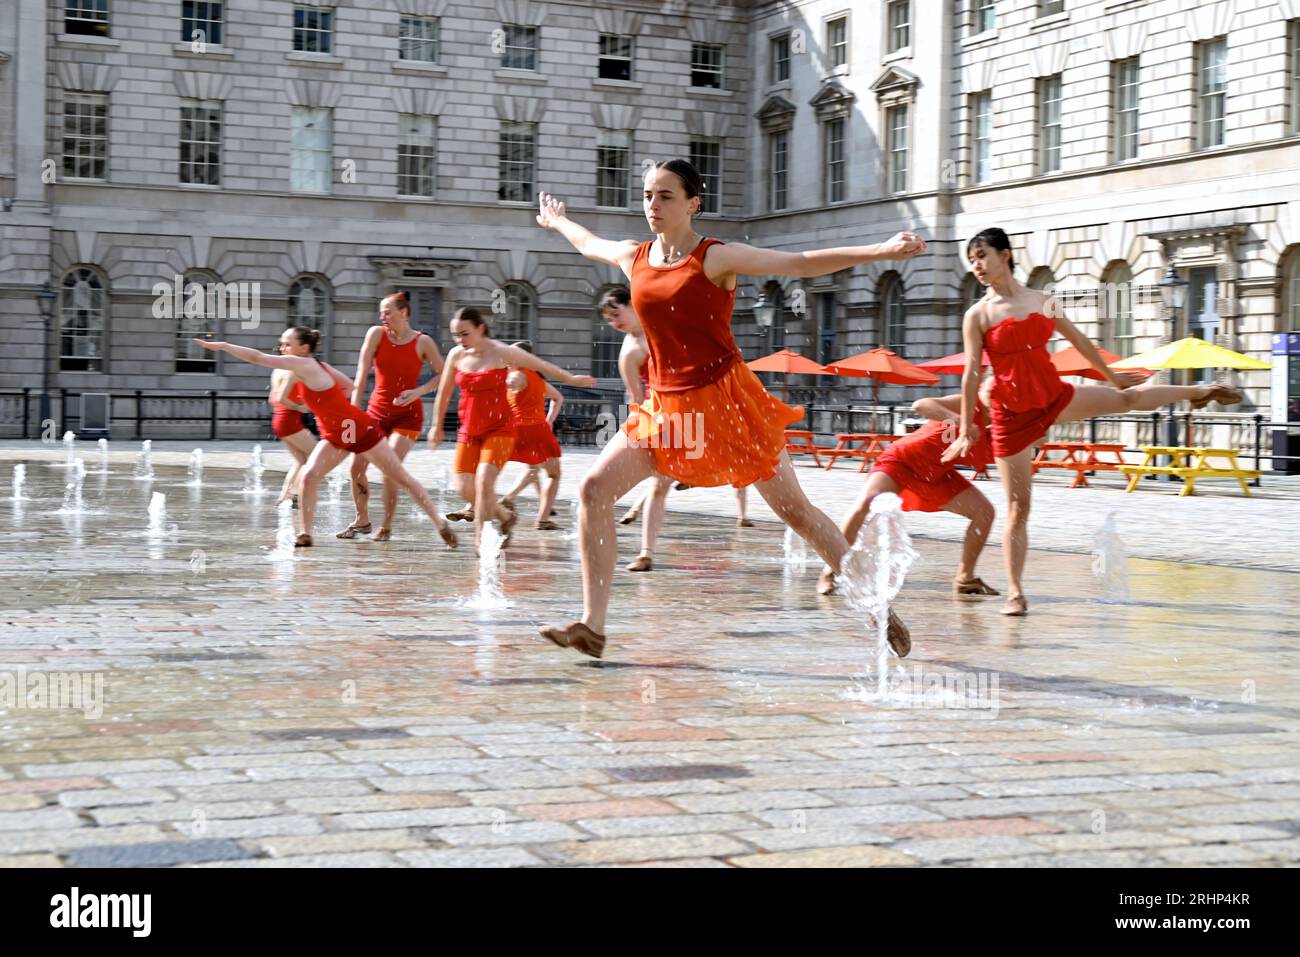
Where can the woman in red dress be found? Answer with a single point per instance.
(478, 365)
(1013, 324)
(535, 443)
(344, 428)
(708, 421)
(287, 424)
(399, 354)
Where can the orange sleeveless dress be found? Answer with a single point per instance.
(913, 461)
(708, 420)
(534, 441)
(1028, 394)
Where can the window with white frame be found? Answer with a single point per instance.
(899, 28)
(1115, 308)
(1126, 109)
(85, 135)
(1047, 8)
(837, 42)
(1294, 46)
(516, 162)
(87, 18)
(311, 150)
(519, 51)
(614, 168)
(309, 305)
(779, 166)
(82, 305)
(981, 137)
(779, 55)
(1212, 67)
(516, 324)
(417, 39)
(834, 162)
(706, 157)
(199, 319)
(986, 17)
(417, 147)
(200, 142)
(201, 22)
(1049, 124)
(706, 65)
(615, 61)
(893, 313)
(896, 156)
(313, 30)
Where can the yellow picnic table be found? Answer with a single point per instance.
(1205, 463)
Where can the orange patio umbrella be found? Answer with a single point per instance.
(1070, 361)
(881, 365)
(954, 364)
(787, 362)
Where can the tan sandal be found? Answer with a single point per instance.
(744, 523)
(642, 563)
(973, 586)
(578, 637)
(302, 541)
(1223, 394)
(1016, 607)
(448, 536)
(382, 534)
(826, 582)
(354, 531)
(463, 515)
(546, 525)
(629, 517)
(898, 635)
(507, 526)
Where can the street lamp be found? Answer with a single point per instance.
(764, 311)
(45, 302)
(1173, 293)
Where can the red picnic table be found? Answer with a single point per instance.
(863, 445)
(1083, 457)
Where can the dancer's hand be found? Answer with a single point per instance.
(210, 345)
(406, 398)
(904, 246)
(960, 446)
(435, 437)
(550, 210)
(582, 382)
(1126, 380)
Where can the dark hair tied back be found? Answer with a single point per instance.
(473, 316)
(307, 337)
(995, 237)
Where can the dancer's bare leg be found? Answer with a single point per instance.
(1018, 481)
(299, 445)
(633, 513)
(655, 504)
(465, 489)
(385, 459)
(486, 506)
(1093, 400)
(528, 478)
(742, 508)
(876, 484)
(549, 488)
(973, 505)
(401, 445)
(360, 491)
(323, 459)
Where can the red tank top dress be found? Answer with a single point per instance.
(484, 409)
(534, 441)
(341, 423)
(397, 369)
(913, 461)
(286, 421)
(1028, 394)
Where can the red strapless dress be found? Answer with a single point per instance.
(1028, 394)
(913, 461)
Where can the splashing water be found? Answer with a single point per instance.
(284, 533)
(143, 470)
(796, 550)
(196, 469)
(69, 451)
(103, 455)
(575, 520)
(253, 475)
(157, 513)
(874, 569)
(491, 561)
(72, 502)
(20, 476)
(1110, 562)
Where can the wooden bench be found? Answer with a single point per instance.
(858, 445)
(1202, 466)
(803, 442)
(1082, 457)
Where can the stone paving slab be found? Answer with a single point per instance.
(351, 707)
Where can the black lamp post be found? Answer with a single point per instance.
(1173, 293)
(45, 302)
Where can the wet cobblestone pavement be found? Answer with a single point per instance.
(348, 704)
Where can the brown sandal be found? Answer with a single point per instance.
(1223, 394)
(382, 535)
(826, 583)
(546, 525)
(578, 637)
(302, 541)
(354, 531)
(744, 523)
(448, 536)
(631, 516)
(507, 526)
(463, 515)
(1016, 607)
(900, 639)
(974, 586)
(642, 563)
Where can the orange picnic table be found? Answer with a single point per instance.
(803, 442)
(1083, 457)
(863, 445)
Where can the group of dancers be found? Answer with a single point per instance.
(679, 359)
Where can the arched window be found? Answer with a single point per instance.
(516, 322)
(776, 334)
(1042, 278)
(309, 305)
(1115, 308)
(82, 320)
(893, 312)
(1291, 292)
(202, 305)
(606, 341)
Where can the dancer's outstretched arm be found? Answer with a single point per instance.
(512, 356)
(1120, 380)
(292, 363)
(745, 260)
(551, 215)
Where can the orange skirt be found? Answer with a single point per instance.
(729, 432)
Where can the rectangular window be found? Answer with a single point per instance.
(981, 152)
(837, 41)
(833, 150)
(706, 157)
(706, 65)
(88, 18)
(85, 135)
(1295, 76)
(896, 124)
(615, 57)
(1126, 109)
(201, 22)
(900, 26)
(417, 146)
(779, 152)
(614, 168)
(313, 30)
(520, 50)
(780, 56)
(517, 161)
(1049, 124)
(986, 17)
(1212, 63)
(1049, 8)
(311, 150)
(201, 142)
(418, 39)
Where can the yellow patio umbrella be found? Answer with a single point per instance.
(1191, 353)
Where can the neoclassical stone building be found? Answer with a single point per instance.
(305, 158)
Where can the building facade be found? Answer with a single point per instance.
(200, 168)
